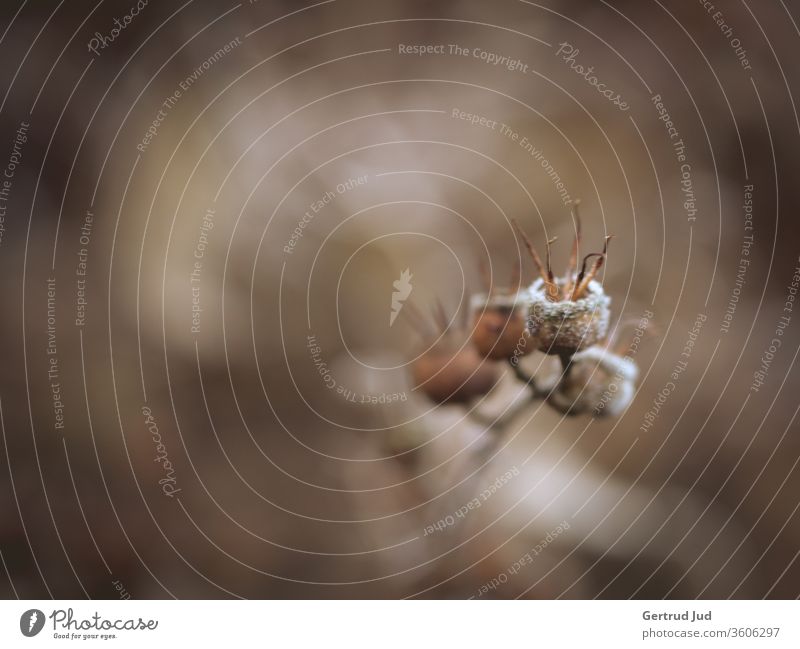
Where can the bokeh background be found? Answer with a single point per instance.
(209, 429)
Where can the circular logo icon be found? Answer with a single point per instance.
(31, 622)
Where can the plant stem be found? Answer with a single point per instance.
(566, 363)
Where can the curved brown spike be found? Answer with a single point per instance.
(550, 285)
(573, 259)
(534, 255)
(579, 278)
(581, 286)
(550, 288)
(549, 267)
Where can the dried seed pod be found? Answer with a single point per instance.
(571, 313)
(597, 382)
(569, 326)
(451, 370)
(499, 328)
(452, 373)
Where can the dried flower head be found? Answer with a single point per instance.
(569, 313)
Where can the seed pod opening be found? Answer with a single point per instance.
(567, 327)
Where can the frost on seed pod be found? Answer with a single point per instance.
(597, 382)
(569, 313)
(499, 327)
(451, 370)
(568, 326)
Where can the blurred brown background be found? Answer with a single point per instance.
(268, 483)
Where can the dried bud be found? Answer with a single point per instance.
(598, 382)
(451, 373)
(450, 370)
(571, 313)
(499, 328)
